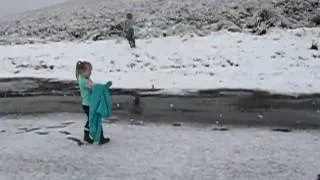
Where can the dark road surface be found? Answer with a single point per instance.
(226, 107)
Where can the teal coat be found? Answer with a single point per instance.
(100, 108)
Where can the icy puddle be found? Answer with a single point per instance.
(41, 147)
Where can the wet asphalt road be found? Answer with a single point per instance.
(225, 107)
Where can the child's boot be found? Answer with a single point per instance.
(86, 137)
(104, 140)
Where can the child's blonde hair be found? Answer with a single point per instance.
(81, 67)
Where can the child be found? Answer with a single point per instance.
(83, 73)
(128, 31)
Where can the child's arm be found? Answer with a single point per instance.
(109, 84)
(86, 83)
(90, 84)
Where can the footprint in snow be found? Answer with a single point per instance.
(56, 127)
(65, 132)
(42, 133)
(26, 130)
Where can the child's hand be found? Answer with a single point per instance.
(109, 83)
(90, 84)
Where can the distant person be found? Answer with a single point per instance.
(83, 73)
(128, 31)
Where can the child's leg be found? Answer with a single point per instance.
(133, 41)
(130, 38)
(86, 127)
(103, 140)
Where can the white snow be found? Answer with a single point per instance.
(154, 152)
(279, 62)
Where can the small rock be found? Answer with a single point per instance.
(16, 72)
(220, 129)
(184, 39)
(36, 67)
(281, 130)
(2, 131)
(278, 53)
(177, 124)
(51, 67)
(314, 46)
(234, 29)
(298, 34)
(230, 63)
(136, 123)
(260, 116)
(276, 39)
(139, 123)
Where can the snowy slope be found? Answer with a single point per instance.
(10, 7)
(92, 19)
(153, 152)
(279, 62)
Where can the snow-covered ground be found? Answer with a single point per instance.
(153, 152)
(280, 61)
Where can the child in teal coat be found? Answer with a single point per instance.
(83, 73)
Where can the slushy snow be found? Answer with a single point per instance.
(280, 61)
(153, 152)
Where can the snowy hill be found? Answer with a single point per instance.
(93, 19)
